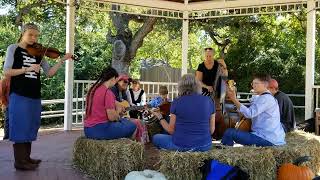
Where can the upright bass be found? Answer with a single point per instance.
(219, 88)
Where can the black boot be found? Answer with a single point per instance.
(20, 158)
(33, 161)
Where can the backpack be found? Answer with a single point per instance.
(5, 87)
(215, 170)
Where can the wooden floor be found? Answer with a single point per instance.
(55, 150)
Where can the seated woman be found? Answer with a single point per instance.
(102, 119)
(191, 119)
(264, 114)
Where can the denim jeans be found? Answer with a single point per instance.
(111, 130)
(245, 138)
(164, 141)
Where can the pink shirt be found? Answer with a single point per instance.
(103, 99)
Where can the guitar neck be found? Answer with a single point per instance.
(134, 108)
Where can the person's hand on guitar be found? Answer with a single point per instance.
(231, 94)
(210, 88)
(223, 64)
(120, 108)
(157, 114)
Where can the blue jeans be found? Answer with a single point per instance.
(164, 141)
(111, 130)
(245, 138)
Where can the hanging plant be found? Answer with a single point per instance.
(294, 171)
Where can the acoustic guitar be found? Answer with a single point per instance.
(164, 108)
(244, 124)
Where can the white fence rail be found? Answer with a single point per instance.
(316, 90)
(151, 88)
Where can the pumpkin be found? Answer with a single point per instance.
(293, 171)
(145, 175)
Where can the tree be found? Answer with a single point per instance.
(125, 43)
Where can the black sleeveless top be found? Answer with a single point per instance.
(208, 75)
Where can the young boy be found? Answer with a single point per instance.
(161, 99)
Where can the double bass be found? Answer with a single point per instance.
(219, 88)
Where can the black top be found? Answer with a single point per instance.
(120, 95)
(27, 84)
(139, 97)
(208, 75)
(287, 116)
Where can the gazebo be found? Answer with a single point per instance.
(186, 10)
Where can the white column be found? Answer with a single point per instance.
(68, 95)
(310, 58)
(185, 39)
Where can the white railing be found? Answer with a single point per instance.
(151, 88)
(242, 96)
(316, 90)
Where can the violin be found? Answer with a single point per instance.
(38, 50)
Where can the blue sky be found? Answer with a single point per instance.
(4, 10)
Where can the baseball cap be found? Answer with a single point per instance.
(124, 77)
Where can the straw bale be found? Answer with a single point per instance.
(299, 143)
(108, 159)
(257, 162)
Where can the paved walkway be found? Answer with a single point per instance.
(55, 150)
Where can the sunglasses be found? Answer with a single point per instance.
(207, 49)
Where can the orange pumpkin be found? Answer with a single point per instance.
(289, 171)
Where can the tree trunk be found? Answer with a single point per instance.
(120, 60)
(125, 44)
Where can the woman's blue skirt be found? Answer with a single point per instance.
(24, 118)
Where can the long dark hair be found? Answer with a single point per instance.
(106, 75)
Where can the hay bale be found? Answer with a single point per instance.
(259, 163)
(108, 159)
(299, 143)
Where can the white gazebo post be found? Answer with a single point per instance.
(185, 39)
(68, 95)
(310, 58)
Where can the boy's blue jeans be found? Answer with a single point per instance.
(245, 138)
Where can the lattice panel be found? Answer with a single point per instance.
(317, 4)
(215, 13)
(125, 8)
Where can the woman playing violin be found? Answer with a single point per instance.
(25, 95)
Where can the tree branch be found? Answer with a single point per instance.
(25, 10)
(141, 34)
